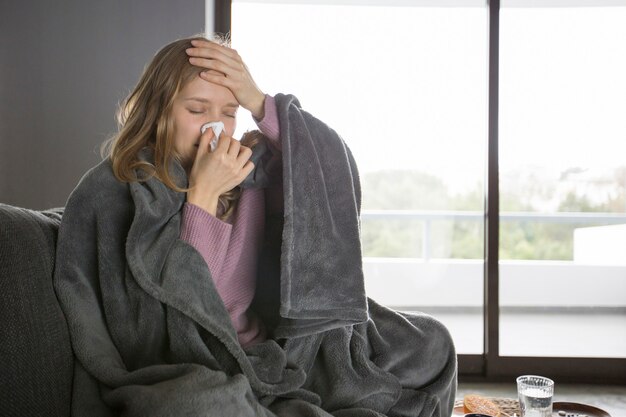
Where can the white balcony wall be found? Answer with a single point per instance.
(459, 283)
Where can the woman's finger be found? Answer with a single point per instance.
(231, 60)
(244, 155)
(233, 149)
(210, 53)
(246, 170)
(223, 143)
(208, 45)
(204, 145)
(212, 64)
(218, 79)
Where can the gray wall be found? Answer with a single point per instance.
(64, 67)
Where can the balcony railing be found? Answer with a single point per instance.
(428, 217)
(448, 282)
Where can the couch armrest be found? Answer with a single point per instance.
(36, 358)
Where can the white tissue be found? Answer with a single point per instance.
(217, 130)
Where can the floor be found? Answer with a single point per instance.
(610, 398)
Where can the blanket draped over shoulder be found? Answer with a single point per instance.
(152, 337)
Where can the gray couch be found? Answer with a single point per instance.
(36, 360)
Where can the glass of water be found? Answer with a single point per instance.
(535, 395)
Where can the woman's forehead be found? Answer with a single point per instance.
(211, 92)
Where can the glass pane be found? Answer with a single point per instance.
(563, 182)
(406, 88)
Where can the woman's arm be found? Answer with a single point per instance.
(268, 124)
(207, 234)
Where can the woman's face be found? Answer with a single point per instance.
(200, 102)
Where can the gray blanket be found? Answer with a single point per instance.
(152, 337)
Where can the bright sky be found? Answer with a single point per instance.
(406, 87)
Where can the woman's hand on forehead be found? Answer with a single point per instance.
(236, 76)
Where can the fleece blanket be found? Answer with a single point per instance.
(152, 337)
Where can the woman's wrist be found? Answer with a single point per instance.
(208, 204)
(258, 109)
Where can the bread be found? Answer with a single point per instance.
(473, 403)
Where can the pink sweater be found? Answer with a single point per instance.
(231, 249)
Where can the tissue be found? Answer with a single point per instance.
(217, 130)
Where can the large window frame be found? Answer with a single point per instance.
(491, 366)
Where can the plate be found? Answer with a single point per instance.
(570, 408)
(458, 411)
(577, 408)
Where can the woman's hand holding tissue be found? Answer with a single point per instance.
(214, 173)
(236, 76)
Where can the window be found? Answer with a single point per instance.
(406, 88)
(563, 182)
(418, 89)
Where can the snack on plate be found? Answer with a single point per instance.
(476, 404)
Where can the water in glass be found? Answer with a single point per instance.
(535, 402)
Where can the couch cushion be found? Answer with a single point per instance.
(35, 354)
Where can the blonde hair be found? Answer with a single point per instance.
(144, 119)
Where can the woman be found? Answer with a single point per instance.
(187, 97)
(229, 282)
